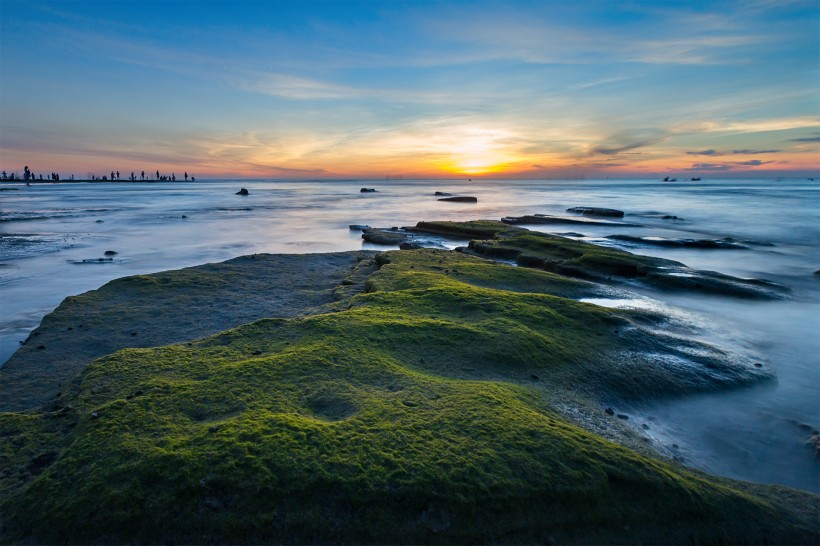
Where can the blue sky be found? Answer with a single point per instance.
(433, 89)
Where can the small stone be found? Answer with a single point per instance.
(99, 222)
(645, 426)
(133, 334)
(623, 416)
(675, 446)
(184, 216)
(257, 352)
(758, 365)
(41, 347)
(110, 253)
(534, 377)
(243, 191)
(609, 411)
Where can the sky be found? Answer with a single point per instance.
(374, 89)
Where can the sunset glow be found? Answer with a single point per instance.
(374, 89)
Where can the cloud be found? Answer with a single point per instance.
(629, 140)
(754, 163)
(709, 167)
(714, 153)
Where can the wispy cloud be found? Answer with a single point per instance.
(712, 152)
(625, 141)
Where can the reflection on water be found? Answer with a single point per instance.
(755, 434)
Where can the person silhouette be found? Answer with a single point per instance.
(157, 174)
(118, 175)
(186, 176)
(142, 175)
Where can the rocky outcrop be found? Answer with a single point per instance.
(243, 191)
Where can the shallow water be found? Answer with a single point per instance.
(756, 434)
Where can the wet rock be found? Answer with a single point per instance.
(623, 416)
(461, 199)
(367, 190)
(670, 217)
(645, 426)
(41, 347)
(95, 415)
(609, 411)
(443, 194)
(110, 253)
(183, 216)
(358, 227)
(380, 236)
(546, 219)
(243, 191)
(99, 221)
(680, 243)
(597, 211)
(409, 246)
(534, 377)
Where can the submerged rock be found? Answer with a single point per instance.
(380, 236)
(539, 219)
(597, 211)
(682, 243)
(461, 199)
(367, 190)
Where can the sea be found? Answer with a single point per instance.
(54, 238)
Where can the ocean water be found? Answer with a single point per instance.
(52, 237)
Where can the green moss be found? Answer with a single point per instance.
(409, 417)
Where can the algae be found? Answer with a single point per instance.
(407, 413)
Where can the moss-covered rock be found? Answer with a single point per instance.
(409, 416)
(594, 262)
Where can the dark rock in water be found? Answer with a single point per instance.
(461, 199)
(534, 377)
(571, 234)
(367, 190)
(243, 191)
(817, 272)
(609, 411)
(92, 261)
(384, 236)
(681, 243)
(99, 221)
(110, 253)
(543, 219)
(597, 211)
(183, 216)
(443, 194)
(358, 227)
(409, 246)
(670, 217)
(623, 416)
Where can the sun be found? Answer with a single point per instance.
(477, 151)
